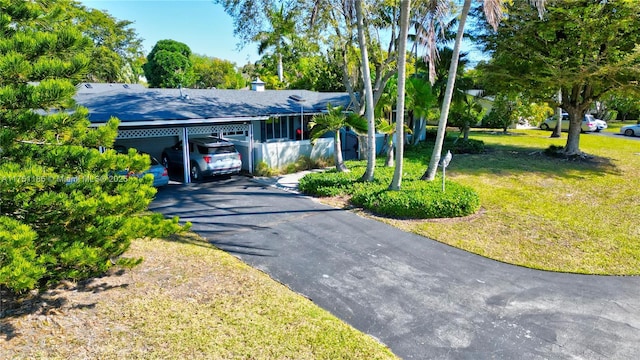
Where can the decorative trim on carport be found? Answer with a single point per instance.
(148, 133)
(177, 131)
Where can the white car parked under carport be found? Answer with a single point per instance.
(630, 130)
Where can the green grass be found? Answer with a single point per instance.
(187, 300)
(543, 212)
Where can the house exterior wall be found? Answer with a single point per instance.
(243, 148)
(280, 153)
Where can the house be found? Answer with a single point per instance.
(265, 125)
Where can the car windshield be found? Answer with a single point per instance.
(226, 149)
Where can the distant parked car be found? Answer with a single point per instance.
(630, 130)
(208, 157)
(600, 124)
(588, 123)
(159, 171)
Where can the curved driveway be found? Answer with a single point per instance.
(423, 299)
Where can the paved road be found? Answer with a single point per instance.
(423, 299)
(615, 135)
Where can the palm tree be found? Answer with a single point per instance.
(384, 122)
(283, 27)
(387, 128)
(368, 94)
(493, 14)
(405, 9)
(333, 121)
(422, 100)
(432, 26)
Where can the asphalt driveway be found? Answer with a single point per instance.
(423, 299)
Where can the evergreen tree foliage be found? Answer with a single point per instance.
(64, 211)
(210, 72)
(169, 65)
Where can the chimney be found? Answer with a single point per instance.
(257, 85)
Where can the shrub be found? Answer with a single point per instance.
(291, 168)
(323, 163)
(330, 183)
(301, 164)
(419, 200)
(469, 146)
(263, 169)
(305, 163)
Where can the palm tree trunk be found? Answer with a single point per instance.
(417, 132)
(368, 93)
(337, 153)
(405, 8)
(430, 174)
(389, 158)
(280, 70)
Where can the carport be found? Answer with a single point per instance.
(166, 133)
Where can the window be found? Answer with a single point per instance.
(276, 128)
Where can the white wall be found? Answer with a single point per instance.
(243, 148)
(280, 153)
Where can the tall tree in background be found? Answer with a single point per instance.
(64, 214)
(432, 25)
(585, 48)
(169, 65)
(493, 15)
(210, 72)
(282, 29)
(623, 104)
(116, 49)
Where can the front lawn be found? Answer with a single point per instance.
(187, 300)
(542, 212)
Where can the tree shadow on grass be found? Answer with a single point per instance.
(508, 160)
(49, 302)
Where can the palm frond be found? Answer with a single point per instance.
(357, 123)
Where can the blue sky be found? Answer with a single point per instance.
(202, 25)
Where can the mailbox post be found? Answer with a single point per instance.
(445, 162)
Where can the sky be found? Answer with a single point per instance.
(202, 25)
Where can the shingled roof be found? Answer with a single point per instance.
(135, 103)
